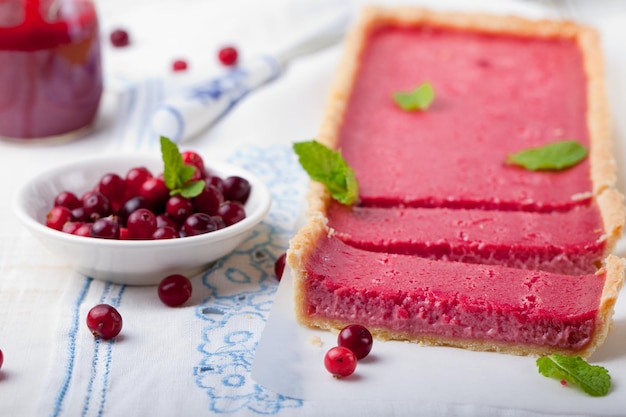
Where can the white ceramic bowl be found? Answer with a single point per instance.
(132, 262)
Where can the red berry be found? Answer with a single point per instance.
(236, 189)
(279, 266)
(228, 56)
(71, 227)
(57, 217)
(163, 220)
(356, 338)
(124, 234)
(174, 290)
(113, 187)
(340, 361)
(67, 199)
(179, 208)
(132, 204)
(135, 177)
(197, 174)
(199, 223)
(209, 200)
(78, 214)
(96, 205)
(231, 212)
(104, 321)
(155, 192)
(1, 358)
(217, 182)
(179, 65)
(83, 230)
(141, 224)
(119, 38)
(165, 232)
(193, 158)
(105, 228)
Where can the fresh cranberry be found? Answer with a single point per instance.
(340, 361)
(96, 205)
(356, 338)
(105, 228)
(132, 204)
(165, 232)
(231, 212)
(1, 358)
(279, 266)
(104, 321)
(179, 208)
(197, 174)
(141, 224)
(135, 177)
(113, 187)
(155, 192)
(199, 223)
(67, 199)
(193, 158)
(174, 290)
(71, 227)
(209, 200)
(78, 214)
(228, 56)
(57, 217)
(124, 233)
(216, 181)
(119, 38)
(84, 230)
(236, 189)
(179, 65)
(220, 222)
(163, 220)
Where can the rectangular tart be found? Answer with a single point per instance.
(432, 252)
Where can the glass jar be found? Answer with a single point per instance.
(50, 69)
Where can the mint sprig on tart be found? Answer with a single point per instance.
(419, 98)
(328, 167)
(553, 156)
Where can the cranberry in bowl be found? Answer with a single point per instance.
(115, 242)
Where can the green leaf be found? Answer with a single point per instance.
(418, 99)
(192, 189)
(176, 174)
(594, 380)
(553, 156)
(328, 167)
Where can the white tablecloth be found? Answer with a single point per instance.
(196, 360)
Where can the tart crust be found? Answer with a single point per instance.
(602, 164)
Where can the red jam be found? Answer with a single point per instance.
(50, 68)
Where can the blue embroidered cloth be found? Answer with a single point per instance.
(193, 359)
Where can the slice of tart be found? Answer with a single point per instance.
(449, 244)
(479, 307)
(572, 242)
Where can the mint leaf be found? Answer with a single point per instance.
(192, 189)
(553, 156)
(594, 380)
(328, 167)
(176, 174)
(418, 99)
